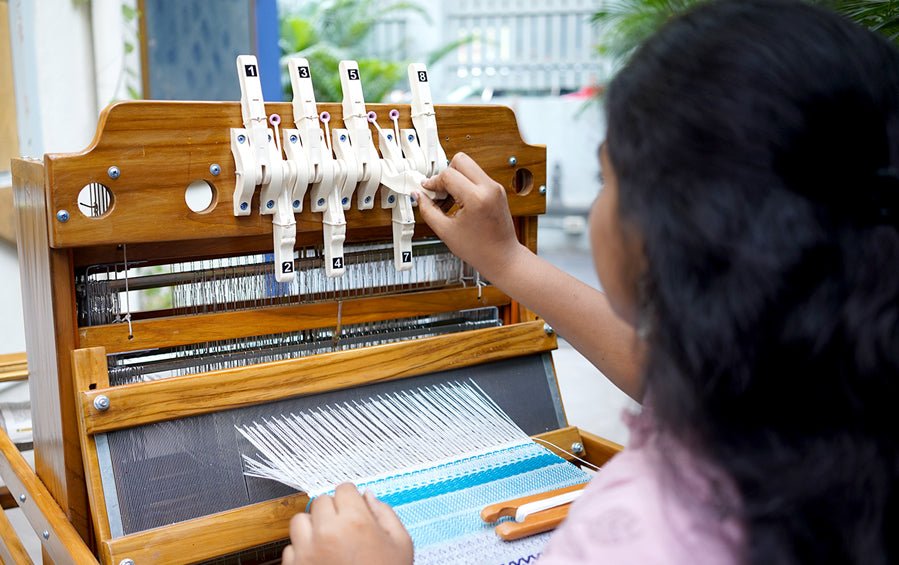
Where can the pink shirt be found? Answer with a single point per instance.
(633, 513)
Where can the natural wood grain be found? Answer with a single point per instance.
(11, 549)
(182, 330)
(7, 214)
(7, 500)
(48, 299)
(9, 135)
(560, 439)
(210, 536)
(62, 542)
(598, 450)
(169, 399)
(89, 368)
(160, 147)
(13, 367)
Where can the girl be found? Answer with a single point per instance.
(747, 238)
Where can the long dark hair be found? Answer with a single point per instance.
(756, 147)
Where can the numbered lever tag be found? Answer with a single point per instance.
(355, 118)
(425, 120)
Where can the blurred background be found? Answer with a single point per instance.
(63, 61)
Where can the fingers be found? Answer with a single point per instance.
(387, 518)
(348, 499)
(432, 214)
(468, 167)
(301, 530)
(287, 557)
(322, 509)
(453, 182)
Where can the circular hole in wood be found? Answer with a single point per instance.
(523, 181)
(94, 200)
(200, 196)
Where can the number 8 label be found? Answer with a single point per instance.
(422, 76)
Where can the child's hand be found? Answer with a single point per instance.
(348, 528)
(481, 231)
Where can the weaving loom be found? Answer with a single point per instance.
(163, 339)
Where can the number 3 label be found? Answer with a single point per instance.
(304, 72)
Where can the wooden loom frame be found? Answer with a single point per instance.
(159, 148)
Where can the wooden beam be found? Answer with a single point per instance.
(169, 399)
(11, 549)
(183, 330)
(13, 367)
(59, 538)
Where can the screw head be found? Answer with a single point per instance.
(215, 169)
(542, 189)
(321, 202)
(126, 562)
(113, 172)
(345, 201)
(577, 447)
(343, 137)
(45, 534)
(244, 205)
(513, 160)
(296, 203)
(101, 403)
(391, 199)
(22, 497)
(269, 137)
(62, 216)
(294, 138)
(367, 199)
(389, 137)
(241, 138)
(270, 204)
(548, 329)
(411, 137)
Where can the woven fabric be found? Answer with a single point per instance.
(441, 505)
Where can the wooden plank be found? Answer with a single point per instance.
(62, 543)
(168, 399)
(210, 536)
(160, 147)
(9, 135)
(598, 450)
(12, 550)
(13, 367)
(48, 297)
(7, 214)
(89, 367)
(6, 499)
(182, 330)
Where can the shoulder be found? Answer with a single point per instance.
(631, 514)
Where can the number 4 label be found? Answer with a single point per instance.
(337, 262)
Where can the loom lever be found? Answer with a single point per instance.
(424, 119)
(355, 118)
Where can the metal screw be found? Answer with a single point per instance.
(345, 201)
(296, 203)
(367, 199)
(62, 216)
(577, 447)
(22, 497)
(241, 138)
(270, 204)
(513, 160)
(45, 534)
(244, 205)
(389, 137)
(101, 403)
(113, 172)
(321, 202)
(215, 169)
(293, 138)
(548, 329)
(411, 137)
(391, 199)
(343, 137)
(269, 137)
(126, 562)
(542, 189)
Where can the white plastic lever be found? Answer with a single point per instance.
(425, 119)
(259, 161)
(355, 118)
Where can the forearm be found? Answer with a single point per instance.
(577, 312)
